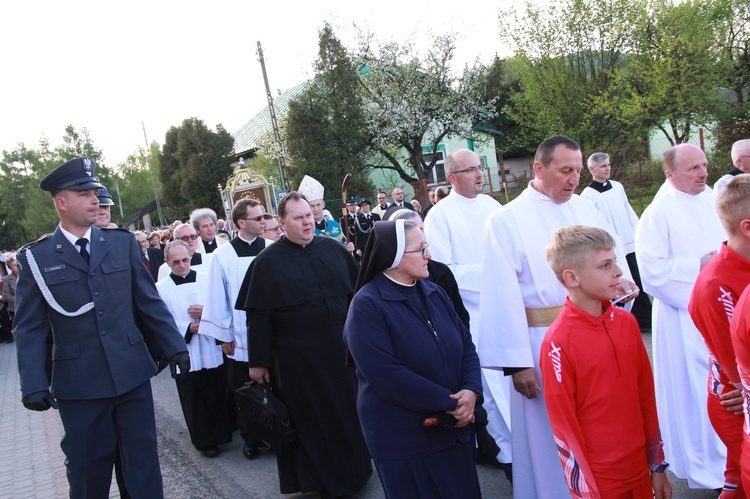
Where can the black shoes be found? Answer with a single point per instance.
(506, 468)
(210, 452)
(250, 451)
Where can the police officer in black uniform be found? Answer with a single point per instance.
(364, 223)
(351, 219)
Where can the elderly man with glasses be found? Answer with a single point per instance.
(199, 262)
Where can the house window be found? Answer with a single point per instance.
(438, 172)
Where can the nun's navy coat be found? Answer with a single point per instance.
(407, 371)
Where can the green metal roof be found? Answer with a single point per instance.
(247, 137)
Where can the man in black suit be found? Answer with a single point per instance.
(152, 257)
(398, 199)
(90, 287)
(433, 200)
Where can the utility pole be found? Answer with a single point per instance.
(153, 177)
(274, 122)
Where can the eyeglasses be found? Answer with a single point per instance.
(255, 219)
(471, 169)
(275, 229)
(422, 250)
(191, 237)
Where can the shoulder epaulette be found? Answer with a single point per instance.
(115, 228)
(34, 243)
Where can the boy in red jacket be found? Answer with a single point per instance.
(597, 378)
(712, 306)
(733, 205)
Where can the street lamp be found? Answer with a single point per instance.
(223, 202)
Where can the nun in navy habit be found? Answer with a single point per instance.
(417, 368)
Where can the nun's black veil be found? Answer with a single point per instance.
(380, 252)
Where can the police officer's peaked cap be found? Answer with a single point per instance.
(74, 175)
(351, 200)
(105, 198)
(365, 201)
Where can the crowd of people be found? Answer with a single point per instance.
(423, 340)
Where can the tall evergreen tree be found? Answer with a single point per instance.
(194, 160)
(325, 126)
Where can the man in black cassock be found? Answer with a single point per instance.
(296, 294)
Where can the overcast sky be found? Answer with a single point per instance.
(108, 66)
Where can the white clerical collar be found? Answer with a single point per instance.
(251, 241)
(72, 238)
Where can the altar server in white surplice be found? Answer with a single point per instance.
(678, 234)
(198, 261)
(520, 297)
(454, 229)
(201, 390)
(610, 199)
(220, 320)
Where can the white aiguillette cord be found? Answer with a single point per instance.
(48, 294)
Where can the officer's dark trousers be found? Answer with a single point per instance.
(93, 431)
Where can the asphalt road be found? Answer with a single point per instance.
(187, 474)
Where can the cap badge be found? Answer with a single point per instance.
(87, 166)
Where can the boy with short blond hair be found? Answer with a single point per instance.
(597, 378)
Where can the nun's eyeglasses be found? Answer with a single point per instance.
(422, 250)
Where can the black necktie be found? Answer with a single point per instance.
(82, 242)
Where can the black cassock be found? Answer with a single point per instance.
(296, 298)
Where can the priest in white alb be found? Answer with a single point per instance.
(202, 390)
(220, 320)
(678, 234)
(454, 229)
(520, 297)
(199, 262)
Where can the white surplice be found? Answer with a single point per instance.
(614, 205)
(201, 248)
(203, 350)
(220, 320)
(454, 229)
(204, 266)
(516, 275)
(675, 231)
